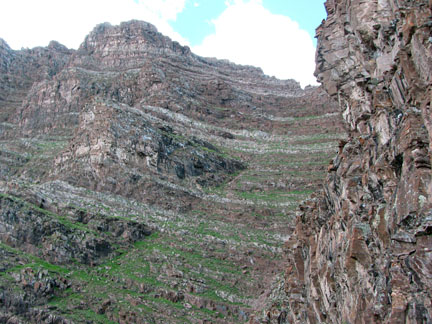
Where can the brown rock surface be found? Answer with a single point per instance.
(21, 69)
(133, 63)
(130, 135)
(362, 249)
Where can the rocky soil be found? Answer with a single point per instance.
(141, 183)
(362, 248)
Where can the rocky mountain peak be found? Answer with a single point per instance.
(54, 45)
(127, 45)
(3, 44)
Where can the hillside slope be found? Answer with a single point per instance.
(141, 183)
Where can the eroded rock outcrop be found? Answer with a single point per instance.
(362, 250)
(21, 69)
(63, 238)
(133, 63)
(120, 149)
(132, 134)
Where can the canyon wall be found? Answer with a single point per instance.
(141, 183)
(362, 249)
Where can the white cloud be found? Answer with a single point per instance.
(247, 33)
(166, 9)
(30, 23)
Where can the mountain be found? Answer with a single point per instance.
(141, 183)
(361, 250)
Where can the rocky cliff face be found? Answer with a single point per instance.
(361, 251)
(133, 63)
(21, 69)
(140, 183)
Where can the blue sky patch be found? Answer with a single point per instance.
(194, 22)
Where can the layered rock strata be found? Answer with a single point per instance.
(130, 135)
(21, 69)
(362, 249)
(133, 62)
(120, 149)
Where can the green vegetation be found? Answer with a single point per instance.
(207, 260)
(28, 207)
(51, 145)
(33, 262)
(74, 300)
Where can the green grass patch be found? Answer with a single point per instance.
(51, 145)
(66, 305)
(34, 262)
(61, 219)
(275, 196)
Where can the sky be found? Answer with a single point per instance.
(276, 35)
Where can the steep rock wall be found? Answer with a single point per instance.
(362, 249)
(134, 64)
(19, 70)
